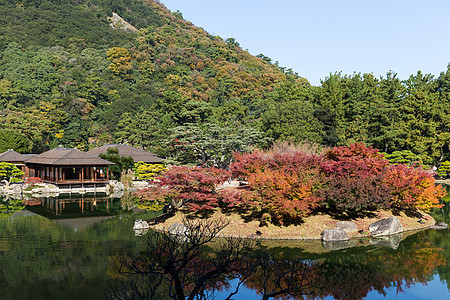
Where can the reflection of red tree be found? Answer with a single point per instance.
(416, 265)
(204, 265)
(207, 268)
(379, 272)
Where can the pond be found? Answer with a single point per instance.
(65, 248)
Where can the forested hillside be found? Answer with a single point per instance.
(68, 77)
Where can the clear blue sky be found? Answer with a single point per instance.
(316, 38)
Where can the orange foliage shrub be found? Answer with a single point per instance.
(281, 186)
(412, 188)
(285, 187)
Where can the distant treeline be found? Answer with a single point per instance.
(68, 78)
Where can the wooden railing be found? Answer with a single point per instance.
(73, 181)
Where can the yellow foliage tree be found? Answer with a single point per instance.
(144, 171)
(121, 63)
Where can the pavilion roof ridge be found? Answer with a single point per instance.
(11, 156)
(67, 156)
(127, 150)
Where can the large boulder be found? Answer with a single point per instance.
(41, 190)
(140, 184)
(440, 226)
(17, 189)
(334, 234)
(346, 226)
(118, 187)
(140, 224)
(386, 227)
(178, 229)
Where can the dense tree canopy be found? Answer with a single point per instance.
(10, 172)
(82, 83)
(121, 163)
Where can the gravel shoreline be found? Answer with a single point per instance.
(309, 230)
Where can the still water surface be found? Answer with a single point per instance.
(64, 248)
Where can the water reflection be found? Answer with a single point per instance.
(350, 273)
(353, 276)
(195, 265)
(72, 205)
(69, 205)
(43, 258)
(10, 204)
(40, 259)
(443, 214)
(390, 241)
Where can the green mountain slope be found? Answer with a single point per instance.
(68, 77)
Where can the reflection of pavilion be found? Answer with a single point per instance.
(77, 224)
(73, 206)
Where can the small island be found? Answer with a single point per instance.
(310, 229)
(296, 195)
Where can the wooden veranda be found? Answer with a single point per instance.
(62, 166)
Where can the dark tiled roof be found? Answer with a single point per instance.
(67, 157)
(11, 156)
(126, 150)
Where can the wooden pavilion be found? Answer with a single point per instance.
(127, 150)
(67, 166)
(14, 158)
